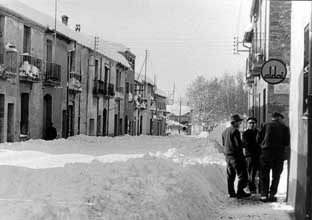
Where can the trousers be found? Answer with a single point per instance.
(270, 161)
(236, 167)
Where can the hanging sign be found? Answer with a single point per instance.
(274, 71)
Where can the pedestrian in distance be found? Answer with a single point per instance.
(236, 164)
(50, 132)
(274, 137)
(252, 152)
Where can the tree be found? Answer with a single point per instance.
(215, 99)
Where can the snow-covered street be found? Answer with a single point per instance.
(146, 177)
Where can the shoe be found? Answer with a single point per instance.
(272, 198)
(264, 199)
(242, 195)
(232, 195)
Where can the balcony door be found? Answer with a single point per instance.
(24, 113)
(49, 51)
(10, 123)
(2, 103)
(47, 112)
(71, 120)
(104, 122)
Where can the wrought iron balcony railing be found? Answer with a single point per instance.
(111, 91)
(75, 75)
(100, 87)
(52, 72)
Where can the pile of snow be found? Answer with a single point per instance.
(111, 178)
(175, 177)
(203, 134)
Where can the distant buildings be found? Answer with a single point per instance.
(82, 84)
(179, 119)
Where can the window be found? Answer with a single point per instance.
(106, 73)
(72, 56)
(49, 51)
(127, 87)
(27, 39)
(96, 70)
(102, 71)
(1, 38)
(305, 69)
(118, 79)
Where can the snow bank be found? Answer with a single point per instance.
(175, 177)
(111, 178)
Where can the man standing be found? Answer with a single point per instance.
(234, 156)
(274, 138)
(252, 152)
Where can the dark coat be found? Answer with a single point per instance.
(274, 137)
(232, 143)
(51, 133)
(251, 145)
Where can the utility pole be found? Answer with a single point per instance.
(55, 18)
(180, 117)
(145, 84)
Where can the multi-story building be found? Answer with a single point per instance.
(56, 75)
(144, 93)
(268, 38)
(159, 112)
(180, 117)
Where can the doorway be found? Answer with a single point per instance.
(141, 124)
(64, 124)
(24, 113)
(47, 112)
(115, 125)
(71, 121)
(10, 123)
(104, 122)
(2, 118)
(126, 125)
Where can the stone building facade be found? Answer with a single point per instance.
(269, 38)
(80, 83)
(56, 76)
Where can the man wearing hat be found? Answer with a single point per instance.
(274, 137)
(236, 164)
(252, 152)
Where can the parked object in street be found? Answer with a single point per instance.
(274, 137)
(51, 132)
(236, 164)
(252, 152)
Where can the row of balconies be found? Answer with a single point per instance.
(103, 88)
(30, 69)
(253, 66)
(33, 69)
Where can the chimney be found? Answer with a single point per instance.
(77, 28)
(65, 19)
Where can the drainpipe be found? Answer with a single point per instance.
(309, 148)
(67, 95)
(87, 93)
(108, 108)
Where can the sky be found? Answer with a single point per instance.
(184, 38)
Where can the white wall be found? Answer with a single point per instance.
(300, 18)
